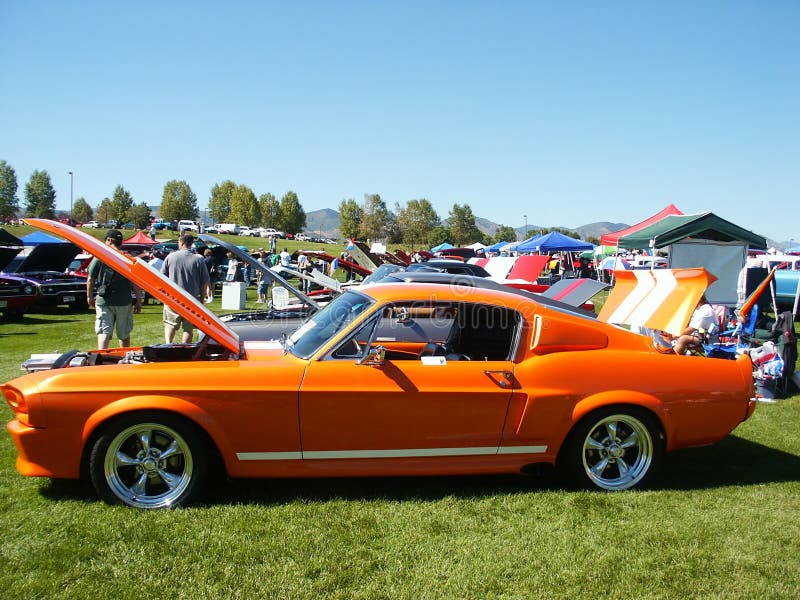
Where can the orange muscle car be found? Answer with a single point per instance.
(390, 379)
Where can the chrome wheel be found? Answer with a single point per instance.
(617, 452)
(147, 463)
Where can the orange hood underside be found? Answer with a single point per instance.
(662, 299)
(153, 282)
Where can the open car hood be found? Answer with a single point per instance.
(7, 254)
(48, 257)
(261, 268)
(10, 246)
(150, 280)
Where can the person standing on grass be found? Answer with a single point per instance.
(286, 258)
(303, 267)
(111, 296)
(188, 270)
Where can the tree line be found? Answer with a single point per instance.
(416, 224)
(229, 202)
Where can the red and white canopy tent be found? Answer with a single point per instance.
(612, 239)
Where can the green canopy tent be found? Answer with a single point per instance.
(705, 226)
(701, 240)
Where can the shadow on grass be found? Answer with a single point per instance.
(734, 461)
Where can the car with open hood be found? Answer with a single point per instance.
(390, 379)
(44, 267)
(17, 294)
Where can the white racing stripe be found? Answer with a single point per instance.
(392, 453)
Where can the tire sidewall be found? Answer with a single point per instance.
(182, 427)
(571, 462)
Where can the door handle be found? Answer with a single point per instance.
(503, 381)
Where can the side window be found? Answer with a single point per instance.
(485, 332)
(353, 347)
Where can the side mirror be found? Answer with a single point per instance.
(374, 358)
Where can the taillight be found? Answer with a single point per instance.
(16, 400)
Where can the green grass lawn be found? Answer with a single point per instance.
(721, 522)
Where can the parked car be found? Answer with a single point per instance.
(161, 224)
(17, 294)
(92, 225)
(449, 266)
(187, 225)
(44, 268)
(246, 231)
(649, 262)
(393, 379)
(268, 232)
(229, 228)
(302, 237)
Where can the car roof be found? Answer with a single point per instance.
(458, 279)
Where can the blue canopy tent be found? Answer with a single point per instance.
(495, 247)
(39, 237)
(554, 242)
(514, 246)
(444, 246)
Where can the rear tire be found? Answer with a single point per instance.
(612, 449)
(149, 460)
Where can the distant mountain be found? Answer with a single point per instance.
(325, 223)
(585, 231)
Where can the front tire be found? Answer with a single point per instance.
(148, 460)
(613, 449)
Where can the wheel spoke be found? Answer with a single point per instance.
(630, 441)
(593, 444)
(144, 440)
(123, 460)
(140, 487)
(611, 428)
(623, 468)
(171, 450)
(170, 479)
(598, 469)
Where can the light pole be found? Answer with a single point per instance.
(526, 227)
(70, 196)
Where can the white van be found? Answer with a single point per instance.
(229, 228)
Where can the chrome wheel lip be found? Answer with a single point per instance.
(617, 452)
(128, 476)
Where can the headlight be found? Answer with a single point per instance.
(28, 289)
(15, 399)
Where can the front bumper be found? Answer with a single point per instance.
(40, 455)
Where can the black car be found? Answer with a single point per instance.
(456, 267)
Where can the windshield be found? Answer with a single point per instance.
(381, 273)
(310, 337)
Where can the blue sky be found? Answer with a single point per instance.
(567, 112)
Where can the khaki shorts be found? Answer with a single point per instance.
(109, 316)
(175, 320)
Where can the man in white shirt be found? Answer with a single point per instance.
(286, 258)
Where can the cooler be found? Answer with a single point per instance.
(234, 295)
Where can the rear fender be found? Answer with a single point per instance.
(623, 398)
